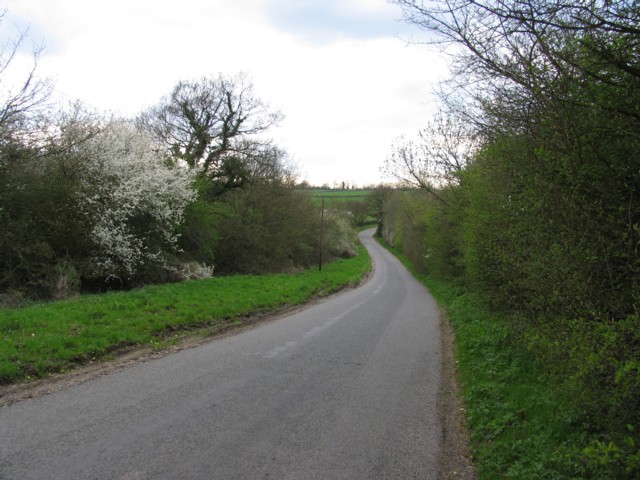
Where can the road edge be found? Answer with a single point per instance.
(456, 459)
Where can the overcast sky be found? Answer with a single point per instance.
(340, 71)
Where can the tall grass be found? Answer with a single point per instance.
(52, 337)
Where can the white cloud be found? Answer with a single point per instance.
(345, 96)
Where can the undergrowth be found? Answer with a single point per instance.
(521, 421)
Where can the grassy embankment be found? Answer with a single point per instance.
(53, 337)
(521, 424)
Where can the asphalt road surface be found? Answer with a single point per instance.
(346, 389)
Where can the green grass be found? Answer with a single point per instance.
(53, 337)
(520, 426)
(339, 193)
(339, 196)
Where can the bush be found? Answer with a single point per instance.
(266, 228)
(403, 224)
(87, 204)
(199, 232)
(133, 201)
(65, 281)
(340, 239)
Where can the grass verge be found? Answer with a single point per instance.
(53, 337)
(520, 423)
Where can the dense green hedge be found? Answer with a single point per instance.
(541, 218)
(544, 227)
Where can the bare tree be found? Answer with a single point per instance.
(521, 52)
(436, 158)
(211, 123)
(23, 98)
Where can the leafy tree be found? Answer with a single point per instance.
(547, 204)
(558, 79)
(376, 200)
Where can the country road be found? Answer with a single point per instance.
(345, 389)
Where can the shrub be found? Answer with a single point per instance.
(340, 239)
(133, 200)
(266, 228)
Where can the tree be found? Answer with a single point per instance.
(436, 158)
(560, 80)
(132, 200)
(213, 125)
(253, 228)
(88, 201)
(376, 201)
(20, 103)
(20, 100)
(266, 228)
(521, 55)
(23, 96)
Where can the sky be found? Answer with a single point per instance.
(348, 75)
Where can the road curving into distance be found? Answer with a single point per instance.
(345, 389)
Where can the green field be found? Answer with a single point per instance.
(53, 337)
(339, 196)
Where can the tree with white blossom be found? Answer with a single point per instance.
(133, 199)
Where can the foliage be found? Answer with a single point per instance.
(377, 199)
(52, 337)
(199, 233)
(404, 224)
(247, 218)
(41, 224)
(522, 425)
(339, 238)
(89, 203)
(107, 206)
(542, 221)
(266, 228)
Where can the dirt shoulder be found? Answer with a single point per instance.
(456, 462)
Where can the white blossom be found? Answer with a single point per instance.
(133, 198)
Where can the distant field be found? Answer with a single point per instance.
(340, 195)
